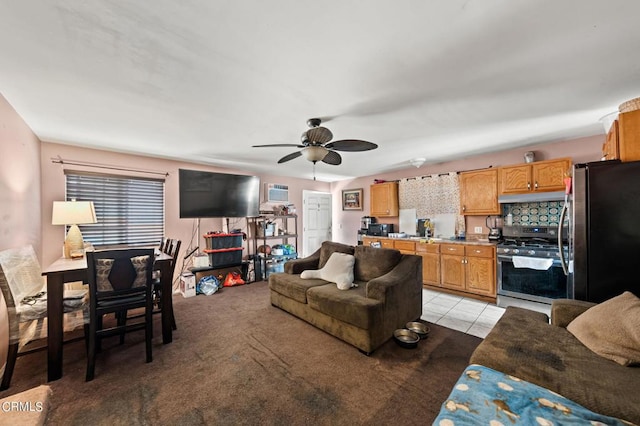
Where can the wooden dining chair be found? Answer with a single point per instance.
(172, 248)
(23, 288)
(119, 281)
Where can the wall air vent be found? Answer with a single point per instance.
(276, 193)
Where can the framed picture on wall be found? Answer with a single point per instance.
(352, 199)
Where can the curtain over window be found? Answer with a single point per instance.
(431, 195)
(130, 210)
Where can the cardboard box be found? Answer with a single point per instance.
(188, 284)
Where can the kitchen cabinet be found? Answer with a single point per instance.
(384, 199)
(469, 268)
(541, 176)
(430, 254)
(481, 270)
(405, 246)
(384, 242)
(453, 267)
(610, 146)
(479, 192)
(623, 139)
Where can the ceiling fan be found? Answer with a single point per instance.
(315, 147)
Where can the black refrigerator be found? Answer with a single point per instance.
(605, 230)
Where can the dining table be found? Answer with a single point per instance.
(65, 270)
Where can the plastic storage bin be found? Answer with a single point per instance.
(224, 257)
(223, 241)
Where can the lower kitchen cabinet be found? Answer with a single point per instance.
(430, 254)
(481, 270)
(469, 268)
(405, 247)
(384, 242)
(466, 269)
(452, 266)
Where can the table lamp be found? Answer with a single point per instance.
(73, 213)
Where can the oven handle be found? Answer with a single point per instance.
(508, 258)
(563, 261)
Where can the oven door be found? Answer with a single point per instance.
(531, 284)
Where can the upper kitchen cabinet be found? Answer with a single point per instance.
(623, 139)
(384, 199)
(541, 176)
(479, 192)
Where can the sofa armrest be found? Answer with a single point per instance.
(296, 266)
(563, 311)
(407, 273)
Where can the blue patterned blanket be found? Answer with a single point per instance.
(483, 396)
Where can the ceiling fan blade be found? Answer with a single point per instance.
(319, 135)
(351, 145)
(278, 144)
(332, 158)
(290, 157)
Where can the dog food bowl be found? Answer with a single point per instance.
(406, 338)
(419, 328)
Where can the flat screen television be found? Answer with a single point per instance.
(208, 194)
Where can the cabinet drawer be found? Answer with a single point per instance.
(405, 245)
(480, 251)
(427, 248)
(456, 249)
(386, 243)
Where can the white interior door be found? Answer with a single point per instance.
(316, 222)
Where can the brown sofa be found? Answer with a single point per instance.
(523, 344)
(389, 294)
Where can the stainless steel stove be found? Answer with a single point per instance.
(529, 265)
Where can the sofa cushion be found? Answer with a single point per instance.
(525, 345)
(329, 247)
(348, 306)
(292, 286)
(338, 269)
(611, 329)
(372, 262)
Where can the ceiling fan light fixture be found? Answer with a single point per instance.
(315, 153)
(417, 162)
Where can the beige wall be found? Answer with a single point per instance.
(53, 188)
(346, 224)
(19, 194)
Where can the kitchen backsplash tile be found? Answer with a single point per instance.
(539, 213)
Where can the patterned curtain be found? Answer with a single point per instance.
(431, 195)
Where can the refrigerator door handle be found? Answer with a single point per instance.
(563, 260)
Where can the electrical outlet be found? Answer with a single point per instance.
(478, 229)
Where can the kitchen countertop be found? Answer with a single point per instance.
(470, 240)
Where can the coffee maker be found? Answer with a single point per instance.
(366, 221)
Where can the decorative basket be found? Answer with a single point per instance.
(629, 106)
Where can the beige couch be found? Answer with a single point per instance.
(389, 294)
(523, 344)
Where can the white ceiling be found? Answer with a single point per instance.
(203, 80)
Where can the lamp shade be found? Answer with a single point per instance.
(315, 153)
(73, 213)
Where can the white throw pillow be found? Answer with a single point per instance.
(338, 269)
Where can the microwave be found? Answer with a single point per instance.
(380, 229)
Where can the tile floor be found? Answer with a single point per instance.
(459, 313)
(470, 316)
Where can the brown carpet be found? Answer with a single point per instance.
(235, 359)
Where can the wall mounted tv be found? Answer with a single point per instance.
(208, 194)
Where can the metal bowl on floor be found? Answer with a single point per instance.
(406, 338)
(421, 329)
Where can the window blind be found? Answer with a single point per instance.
(129, 210)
